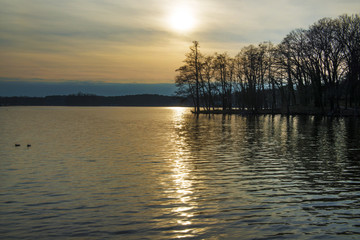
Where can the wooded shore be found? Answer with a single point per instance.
(314, 71)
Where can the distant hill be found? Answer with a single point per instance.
(94, 100)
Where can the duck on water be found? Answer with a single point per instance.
(18, 145)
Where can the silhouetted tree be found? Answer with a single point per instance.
(349, 36)
(188, 79)
(207, 82)
(223, 68)
(185, 83)
(193, 62)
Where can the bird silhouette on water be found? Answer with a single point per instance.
(18, 145)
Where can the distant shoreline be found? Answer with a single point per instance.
(144, 100)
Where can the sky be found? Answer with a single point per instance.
(142, 41)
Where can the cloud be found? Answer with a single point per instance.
(259, 20)
(121, 41)
(99, 40)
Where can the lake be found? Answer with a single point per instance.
(163, 173)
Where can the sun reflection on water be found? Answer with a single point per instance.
(182, 178)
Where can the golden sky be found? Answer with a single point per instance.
(142, 41)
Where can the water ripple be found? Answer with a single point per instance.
(162, 173)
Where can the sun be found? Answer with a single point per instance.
(182, 19)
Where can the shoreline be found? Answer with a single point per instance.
(311, 112)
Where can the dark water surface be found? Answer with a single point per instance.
(162, 173)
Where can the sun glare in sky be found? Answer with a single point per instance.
(182, 19)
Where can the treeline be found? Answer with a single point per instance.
(315, 69)
(82, 99)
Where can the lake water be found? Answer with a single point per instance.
(163, 173)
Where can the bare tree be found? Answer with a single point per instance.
(207, 80)
(185, 83)
(349, 36)
(189, 75)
